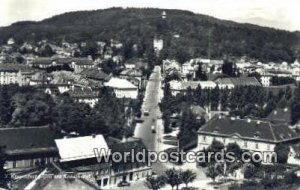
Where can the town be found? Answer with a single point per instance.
(59, 100)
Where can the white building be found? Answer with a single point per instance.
(251, 135)
(265, 80)
(182, 86)
(123, 88)
(158, 44)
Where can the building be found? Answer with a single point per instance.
(95, 75)
(28, 147)
(158, 44)
(134, 76)
(123, 88)
(78, 155)
(182, 86)
(81, 156)
(237, 82)
(15, 74)
(84, 95)
(265, 81)
(250, 134)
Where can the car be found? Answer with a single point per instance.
(153, 129)
(123, 184)
(146, 112)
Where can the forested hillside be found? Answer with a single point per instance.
(200, 35)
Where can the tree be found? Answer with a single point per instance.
(155, 183)
(4, 177)
(212, 171)
(187, 177)
(228, 69)
(173, 178)
(200, 75)
(282, 153)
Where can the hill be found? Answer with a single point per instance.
(200, 35)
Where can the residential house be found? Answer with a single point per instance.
(236, 82)
(123, 88)
(84, 95)
(95, 75)
(182, 86)
(27, 147)
(134, 76)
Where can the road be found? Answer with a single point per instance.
(152, 98)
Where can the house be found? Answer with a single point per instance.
(95, 75)
(134, 76)
(182, 86)
(170, 65)
(254, 135)
(129, 170)
(122, 88)
(15, 74)
(28, 147)
(84, 95)
(79, 64)
(78, 156)
(81, 156)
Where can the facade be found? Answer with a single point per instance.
(250, 134)
(84, 95)
(123, 88)
(182, 86)
(23, 151)
(265, 81)
(15, 74)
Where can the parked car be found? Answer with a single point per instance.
(123, 184)
(153, 129)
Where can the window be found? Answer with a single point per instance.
(204, 138)
(256, 145)
(245, 144)
(268, 147)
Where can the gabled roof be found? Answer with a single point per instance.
(26, 140)
(131, 72)
(120, 84)
(80, 148)
(260, 130)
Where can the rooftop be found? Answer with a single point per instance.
(27, 139)
(120, 84)
(260, 130)
(79, 148)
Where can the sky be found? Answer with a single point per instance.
(273, 13)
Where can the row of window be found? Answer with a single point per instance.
(245, 143)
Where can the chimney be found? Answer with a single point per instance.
(275, 112)
(232, 118)
(93, 135)
(248, 120)
(257, 122)
(285, 109)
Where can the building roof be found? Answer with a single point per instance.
(281, 115)
(15, 68)
(239, 81)
(80, 148)
(94, 74)
(25, 140)
(82, 92)
(259, 130)
(120, 84)
(131, 72)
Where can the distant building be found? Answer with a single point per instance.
(164, 15)
(15, 74)
(250, 134)
(133, 75)
(123, 88)
(10, 41)
(84, 95)
(182, 86)
(236, 82)
(158, 44)
(95, 75)
(265, 80)
(28, 147)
